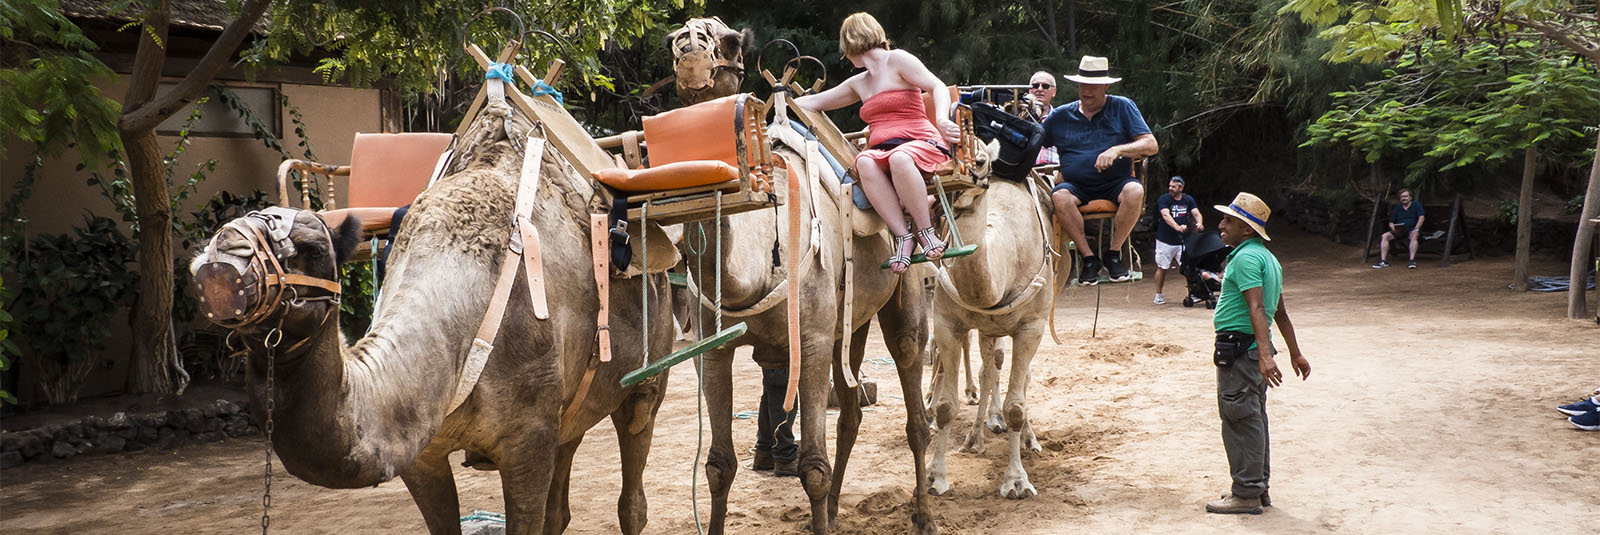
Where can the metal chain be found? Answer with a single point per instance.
(271, 343)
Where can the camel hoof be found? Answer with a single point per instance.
(1032, 444)
(996, 424)
(972, 397)
(938, 485)
(975, 443)
(1017, 489)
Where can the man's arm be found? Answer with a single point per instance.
(1199, 220)
(1142, 145)
(1258, 323)
(1166, 213)
(1297, 361)
(1419, 224)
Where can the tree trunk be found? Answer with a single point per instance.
(1519, 277)
(152, 316)
(1577, 307)
(1050, 26)
(1072, 29)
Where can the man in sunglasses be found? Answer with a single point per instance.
(1041, 93)
(1098, 137)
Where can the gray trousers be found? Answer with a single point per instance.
(1242, 403)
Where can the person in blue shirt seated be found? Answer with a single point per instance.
(1404, 221)
(1097, 138)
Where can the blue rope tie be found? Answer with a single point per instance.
(502, 71)
(541, 88)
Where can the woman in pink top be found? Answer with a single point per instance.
(904, 145)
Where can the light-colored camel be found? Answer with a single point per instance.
(749, 278)
(355, 415)
(1003, 290)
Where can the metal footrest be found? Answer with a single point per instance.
(701, 346)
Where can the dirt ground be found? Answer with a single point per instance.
(1430, 409)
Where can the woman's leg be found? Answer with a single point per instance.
(913, 192)
(875, 183)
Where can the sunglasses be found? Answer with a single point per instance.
(1042, 86)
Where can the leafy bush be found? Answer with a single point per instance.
(1506, 214)
(76, 282)
(1574, 205)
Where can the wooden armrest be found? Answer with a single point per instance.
(305, 167)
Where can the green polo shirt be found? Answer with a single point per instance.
(1250, 265)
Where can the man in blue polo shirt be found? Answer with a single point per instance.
(1097, 138)
(1251, 300)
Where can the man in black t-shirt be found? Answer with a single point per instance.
(1180, 215)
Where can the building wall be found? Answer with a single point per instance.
(61, 196)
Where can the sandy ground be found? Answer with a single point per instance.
(1429, 410)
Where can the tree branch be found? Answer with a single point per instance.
(149, 58)
(1558, 35)
(145, 113)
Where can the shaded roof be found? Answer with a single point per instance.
(199, 14)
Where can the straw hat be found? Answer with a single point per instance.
(1093, 70)
(1251, 210)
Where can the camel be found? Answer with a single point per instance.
(1001, 291)
(749, 282)
(708, 59)
(351, 415)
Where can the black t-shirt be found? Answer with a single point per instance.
(1181, 211)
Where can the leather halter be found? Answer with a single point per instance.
(245, 291)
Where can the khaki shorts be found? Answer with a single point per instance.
(1167, 255)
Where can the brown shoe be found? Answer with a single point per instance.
(762, 461)
(1266, 500)
(786, 469)
(1234, 505)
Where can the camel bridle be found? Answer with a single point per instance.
(237, 291)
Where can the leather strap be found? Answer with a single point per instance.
(524, 238)
(847, 319)
(796, 213)
(600, 238)
(532, 255)
(577, 398)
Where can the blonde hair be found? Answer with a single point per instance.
(860, 33)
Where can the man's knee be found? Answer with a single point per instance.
(1064, 199)
(1132, 193)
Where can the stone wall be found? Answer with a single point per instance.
(125, 432)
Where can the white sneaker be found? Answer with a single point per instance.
(1160, 300)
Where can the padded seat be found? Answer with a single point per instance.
(1098, 206)
(688, 147)
(675, 175)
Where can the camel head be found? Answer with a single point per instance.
(275, 268)
(708, 57)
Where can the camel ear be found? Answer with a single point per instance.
(730, 44)
(747, 41)
(346, 237)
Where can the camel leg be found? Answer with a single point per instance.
(1026, 342)
(945, 408)
(988, 414)
(557, 514)
(525, 477)
(849, 426)
(433, 487)
(721, 463)
(994, 360)
(966, 364)
(632, 507)
(904, 330)
(815, 474)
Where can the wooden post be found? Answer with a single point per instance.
(1519, 275)
(1450, 231)
(1372, 221)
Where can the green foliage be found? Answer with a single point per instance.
(1573, 205)
(75, 283)
(355, 304)
(8, 349)
(1506, 213)
(47, 92)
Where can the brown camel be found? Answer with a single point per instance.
(1003, 290)
(355, 415)
(752, 290)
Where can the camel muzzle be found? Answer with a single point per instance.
(239, 291)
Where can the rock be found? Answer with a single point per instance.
(227, 407)
(119, 421)
(155, 420)
(33, 443)
(209, 436)
(11, 442)
(194, 420)
(62, 450)
(148, 434)
(110, 444)
(10, 459)
(236, 426)
(866, 393)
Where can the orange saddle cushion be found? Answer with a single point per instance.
(675, 175)
(704, 131)
(1098, 206)
(392, 169)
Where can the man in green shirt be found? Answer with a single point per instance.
(1251, 299)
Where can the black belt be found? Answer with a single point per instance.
(898, 141)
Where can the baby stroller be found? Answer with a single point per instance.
(1203, 252)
